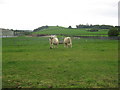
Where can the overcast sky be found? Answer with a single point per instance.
(31, 14)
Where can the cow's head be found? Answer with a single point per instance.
(50, 47)
(51, 38)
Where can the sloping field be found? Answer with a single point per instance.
(62, 30)
(29, 63)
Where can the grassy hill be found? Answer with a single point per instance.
(73, 31)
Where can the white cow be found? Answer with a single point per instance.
(67, 42)
(53, 40)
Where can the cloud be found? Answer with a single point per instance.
(30, 14)
(2, 2)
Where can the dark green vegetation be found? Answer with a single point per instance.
(94, 26)
(113, 32)
(29, 63)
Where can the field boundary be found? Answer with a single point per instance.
(95, 37)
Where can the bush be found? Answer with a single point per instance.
(113, 32)
(70, 27)
(93, 30)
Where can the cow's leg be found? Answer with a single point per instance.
(57, 46)
(65, 45)
(71, 45)
(51, 45)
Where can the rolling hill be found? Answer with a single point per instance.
(74, 31)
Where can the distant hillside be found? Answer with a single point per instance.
(73, 31)
(47, 28)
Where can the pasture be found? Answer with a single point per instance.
(73, 32)
(29, 63)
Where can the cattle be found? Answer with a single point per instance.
(53, 40)
(67, 42)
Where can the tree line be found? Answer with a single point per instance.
(81, 26)
(93, 26)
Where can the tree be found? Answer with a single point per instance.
(113, 32)
(118, 28)
(70, 27)
(94, 30)
(77, 26)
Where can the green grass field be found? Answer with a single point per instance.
(29, 63)
(81, 32)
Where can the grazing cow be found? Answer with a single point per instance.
(53, 40)
(67, 42)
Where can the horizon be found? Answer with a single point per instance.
(55, 26)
